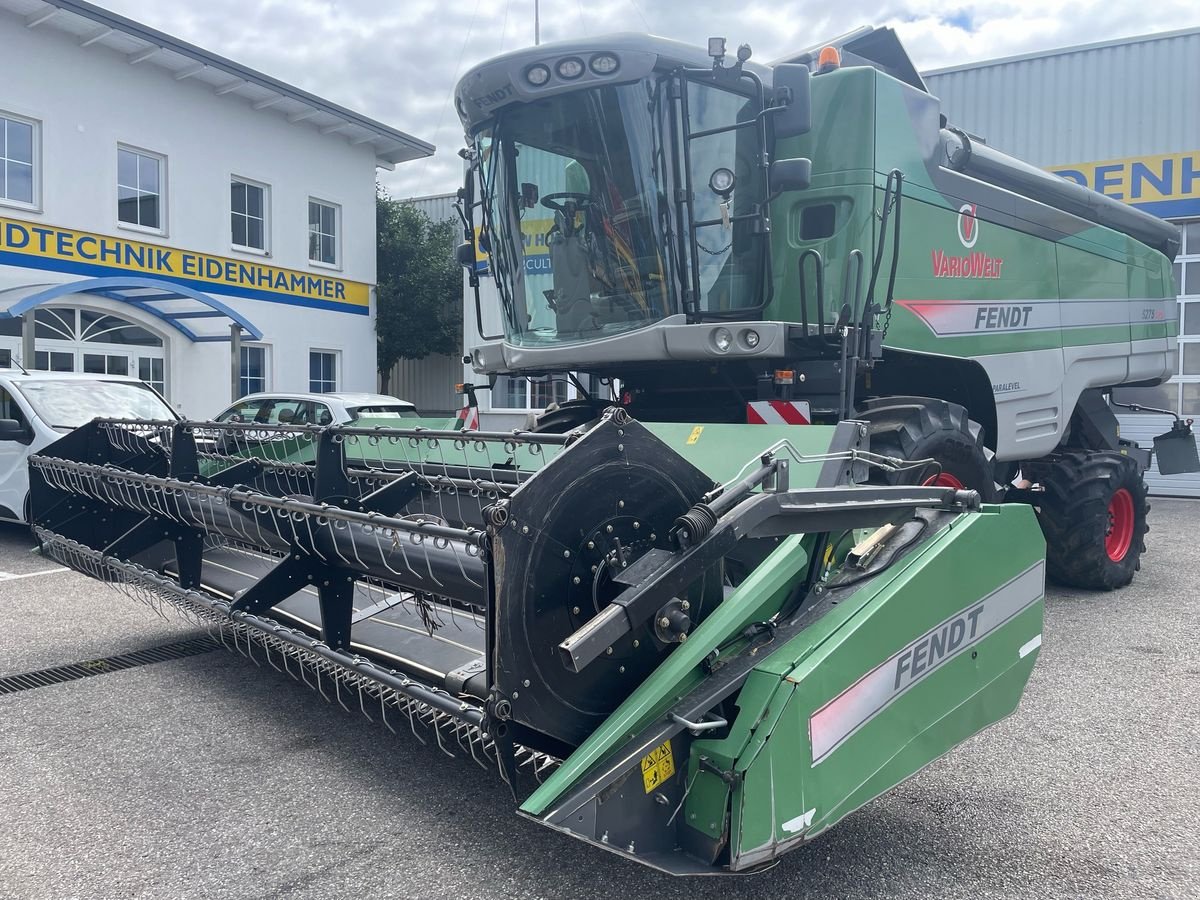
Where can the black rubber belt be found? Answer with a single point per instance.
(10, 684)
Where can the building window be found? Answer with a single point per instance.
(248, 215)
(512, 392)
(105, 364)
(54, 361)
(323, 222)
(150, 370)
(18, 156)
(140, 188)
(253, 370)
(322, 371)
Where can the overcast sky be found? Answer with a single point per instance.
(397, 62)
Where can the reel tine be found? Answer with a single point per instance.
(412, 724)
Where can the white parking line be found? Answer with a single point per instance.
(9, 576)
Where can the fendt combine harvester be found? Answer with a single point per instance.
(691, 640)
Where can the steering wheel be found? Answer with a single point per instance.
(552, 201)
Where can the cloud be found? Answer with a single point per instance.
(398, 63)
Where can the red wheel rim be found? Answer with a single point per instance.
(1120, 525)
(943, 479)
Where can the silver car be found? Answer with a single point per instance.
(270, 408)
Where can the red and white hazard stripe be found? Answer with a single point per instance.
(469, 416)
(777, 412)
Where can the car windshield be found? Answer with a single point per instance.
(69, 404)
(383, 411)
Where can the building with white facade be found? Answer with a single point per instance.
(168, 213)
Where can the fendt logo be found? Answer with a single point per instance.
(968, 225)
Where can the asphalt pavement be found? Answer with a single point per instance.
(209, 777)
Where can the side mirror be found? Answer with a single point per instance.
(12, 430)
(793, 117)
(790, 175)
(465, 254)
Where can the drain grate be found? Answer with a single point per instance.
(10, 684)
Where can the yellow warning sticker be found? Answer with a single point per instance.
(657, 766)
(692, 438)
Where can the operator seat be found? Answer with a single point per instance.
(570, 260)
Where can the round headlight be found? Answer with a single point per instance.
(537, 75)
(722, 339)
(750, 336)
(721, 181)
(604, 64)
(571, 67)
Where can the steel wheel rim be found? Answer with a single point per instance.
(1119, 536)
(943, 479)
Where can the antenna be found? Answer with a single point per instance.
(537, 22)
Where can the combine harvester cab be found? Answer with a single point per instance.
(695, 646)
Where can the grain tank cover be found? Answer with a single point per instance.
(971, 157)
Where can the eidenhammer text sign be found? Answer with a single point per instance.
(51, 248)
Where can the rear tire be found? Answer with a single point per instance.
(923, 428)
(1093, 516)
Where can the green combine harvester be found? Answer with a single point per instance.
(685, 627)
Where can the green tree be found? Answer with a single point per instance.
(419, 293)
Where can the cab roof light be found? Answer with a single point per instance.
(604, 64)
(828, 59)
(537, 74)
(569, 68)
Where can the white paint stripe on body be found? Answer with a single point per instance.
(800, 822)
(1030, 645)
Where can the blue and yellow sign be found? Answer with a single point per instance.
(36, 246)
(537, 254)
(1167, 185)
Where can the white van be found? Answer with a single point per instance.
(37, 408)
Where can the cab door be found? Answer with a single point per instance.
(14, 455)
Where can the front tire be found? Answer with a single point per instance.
(1093, 515)
(914, 428)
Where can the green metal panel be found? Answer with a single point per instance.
(842, 150)
(1025, 269)
(784, 797)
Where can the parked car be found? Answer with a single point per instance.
(37, 408)
(316, 409)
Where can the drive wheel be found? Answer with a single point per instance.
(564, 417)
(923, 428)
(1093, 516)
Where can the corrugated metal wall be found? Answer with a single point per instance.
(1117, 99)
(1096, 102)
(438, 207)
(429, 382)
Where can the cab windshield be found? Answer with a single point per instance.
(586, 240)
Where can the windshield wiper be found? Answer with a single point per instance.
(499, 254)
